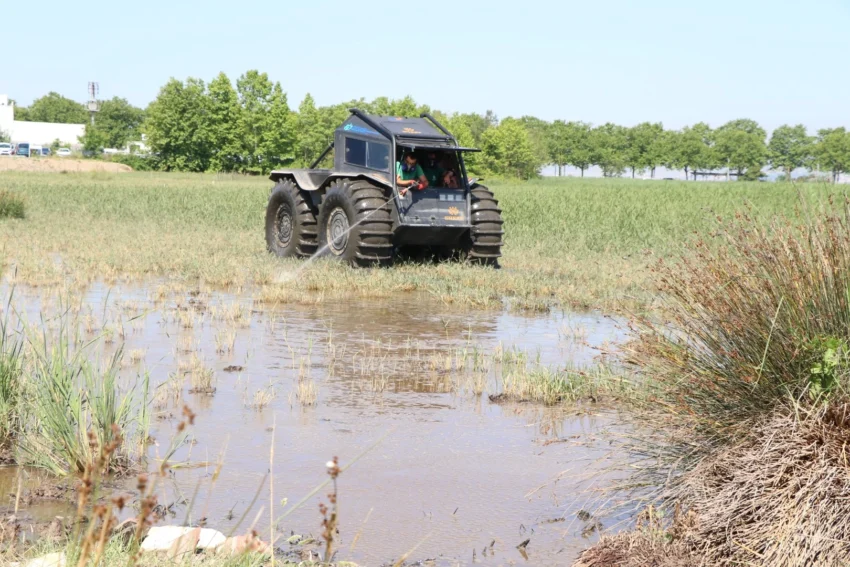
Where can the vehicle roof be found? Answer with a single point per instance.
(397, 125)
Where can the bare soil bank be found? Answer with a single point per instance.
(60, 165)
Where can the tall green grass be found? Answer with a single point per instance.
(77, 409)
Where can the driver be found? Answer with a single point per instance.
(409, 175)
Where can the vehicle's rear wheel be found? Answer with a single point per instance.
(485, 238)
(355, 224)
(290, 222)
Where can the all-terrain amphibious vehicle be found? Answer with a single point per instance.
(357, 212)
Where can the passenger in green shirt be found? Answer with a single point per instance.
(432, 169)
(409, 174)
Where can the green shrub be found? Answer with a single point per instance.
(137, 162)
(11, 205)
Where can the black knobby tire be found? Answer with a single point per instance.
(290, 222)
(485, 238)
(355, 224)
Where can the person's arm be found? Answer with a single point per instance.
(404, 182)
(420, 176)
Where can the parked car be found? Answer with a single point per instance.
(45, 151)
(63, 152)
(5, 149)
(35, 150)
(22, 149)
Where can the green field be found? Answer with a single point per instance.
(573, 243)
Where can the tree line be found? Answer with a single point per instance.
(249, 127)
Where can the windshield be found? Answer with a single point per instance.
(5, 146)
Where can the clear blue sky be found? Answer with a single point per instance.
(674, 61)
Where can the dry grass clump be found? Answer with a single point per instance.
(780, 497)
(306, 392)
(201, 378)
(648, 545)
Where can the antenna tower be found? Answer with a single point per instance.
(93, 105)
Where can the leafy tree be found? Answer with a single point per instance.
(538, 134)
(508, 150)
(639, 140)
(120, 120)
(740, 146)
(662, 151)
(117, 123)
(558, 144)
(580, 142)
(832, 151)
(94, 139)
(694, 149)
(223, 124)
(609, 145)
(22, 113)
(255, 94)
(177, 126)
(790, 147)
(55, 108)
(745, 125)
(477, 124)
(310, 142)
(4, 136)
(386, 107)
(277, 144)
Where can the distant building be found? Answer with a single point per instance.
(37, 132)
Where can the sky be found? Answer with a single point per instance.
(672, 61)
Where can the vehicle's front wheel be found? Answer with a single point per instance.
(355, 224)
(290, 222)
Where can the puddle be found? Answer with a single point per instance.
(449, 472)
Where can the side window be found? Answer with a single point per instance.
(378, 156)
(355, 152)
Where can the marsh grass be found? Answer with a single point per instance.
(73, 400)
(306, 392)
(11, 381)
(201, 377)
(537, 383)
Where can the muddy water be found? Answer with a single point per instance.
(440, 472)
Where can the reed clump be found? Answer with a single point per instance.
(748, 378)
(758, 319)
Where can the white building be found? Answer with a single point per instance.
(42, 133)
